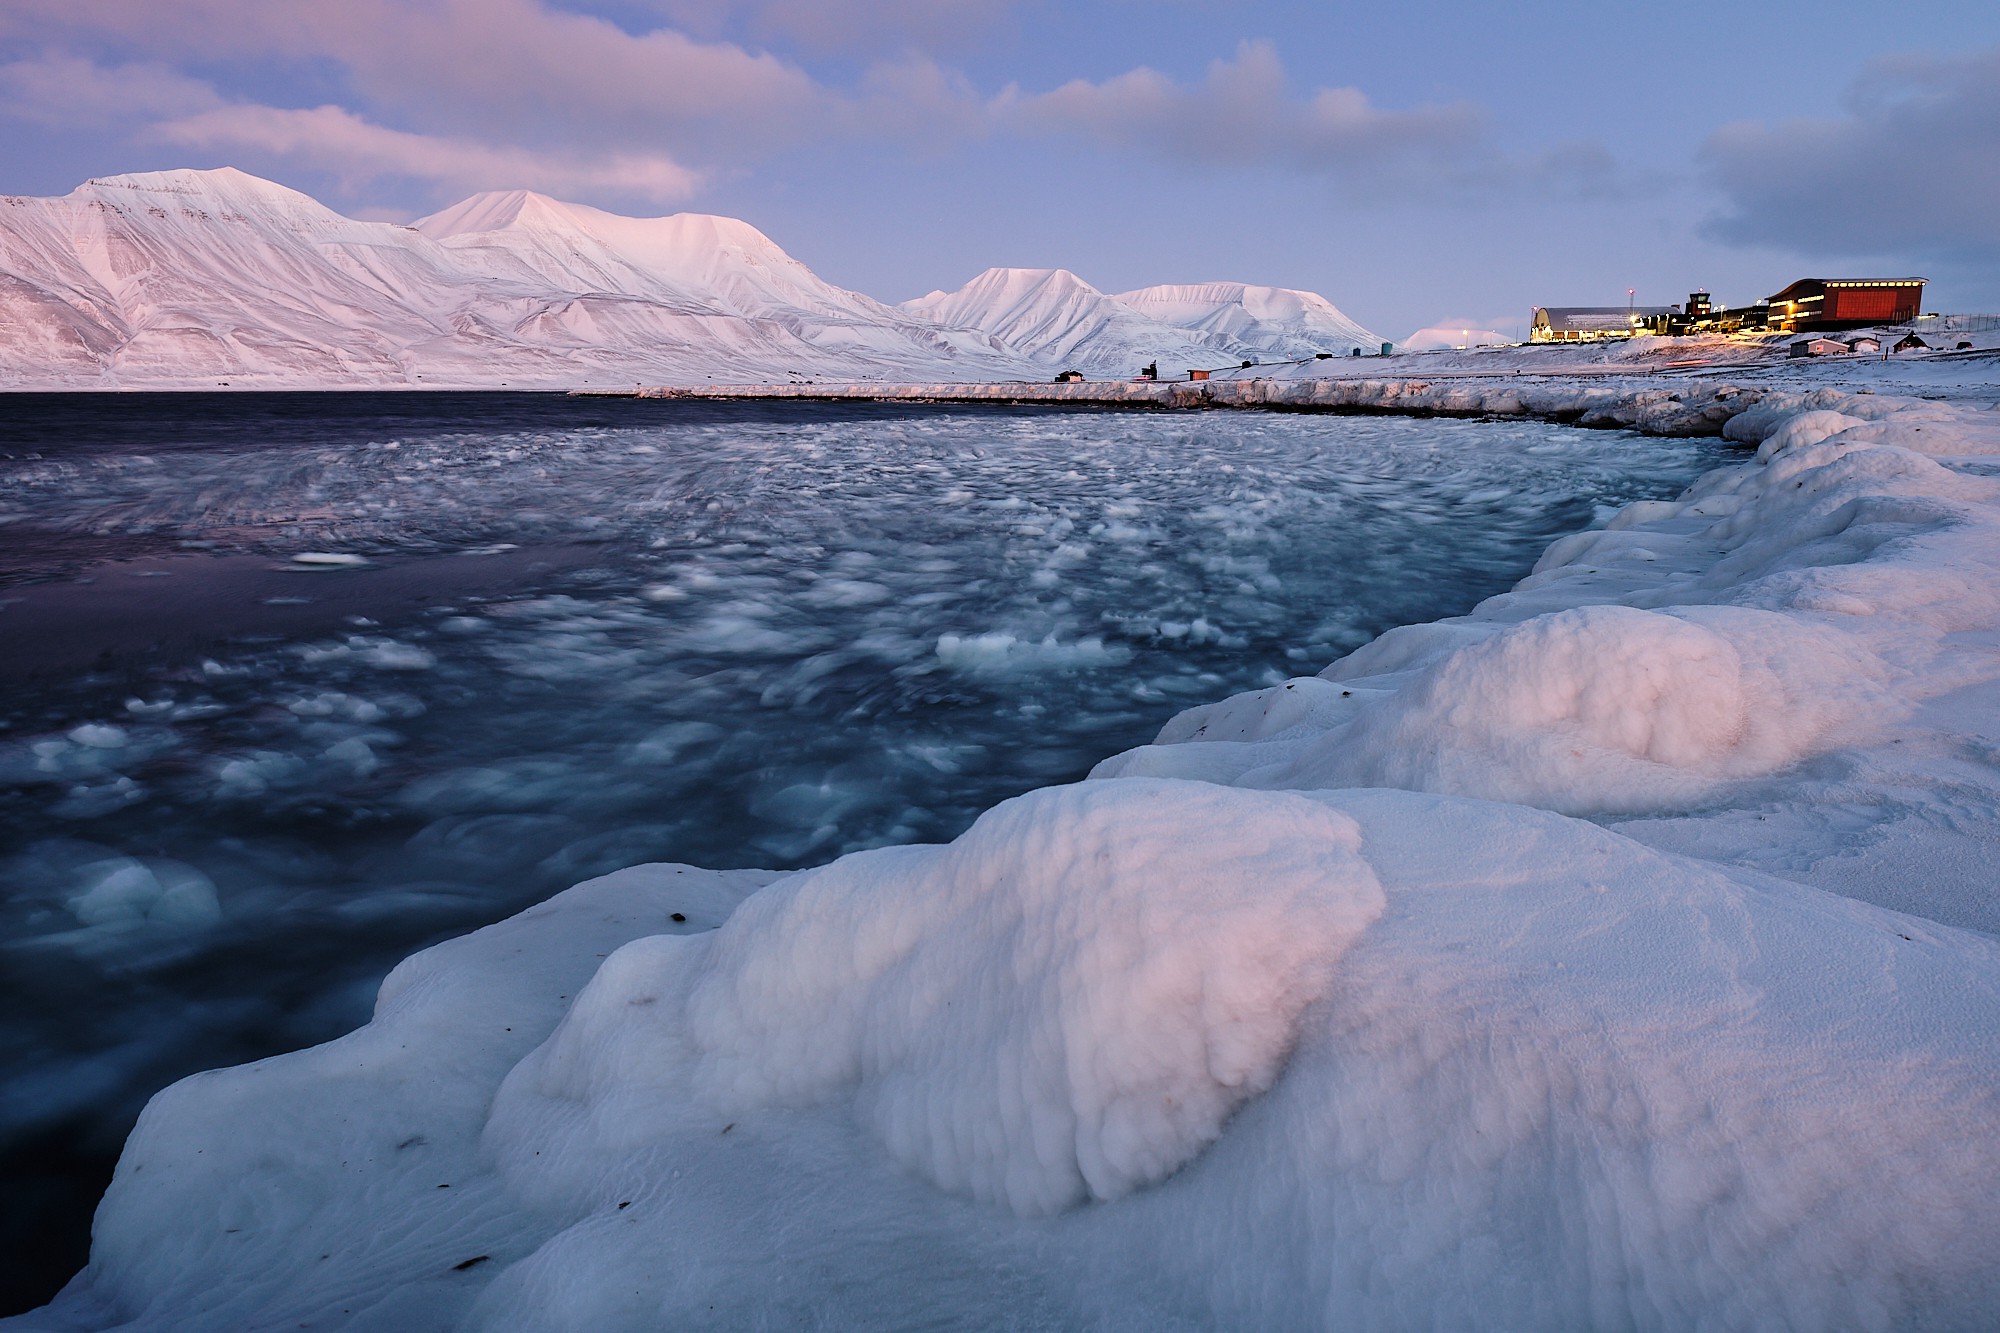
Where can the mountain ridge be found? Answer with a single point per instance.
(192, 278)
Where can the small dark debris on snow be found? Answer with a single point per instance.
(678, 916)
(473, 1262)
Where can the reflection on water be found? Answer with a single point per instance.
(538, 640)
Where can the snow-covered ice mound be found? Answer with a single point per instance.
(1158, 1053)
(1539, 1076)
(1064, 1004)
(1781, 609)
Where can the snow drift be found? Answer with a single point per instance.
(1157, 1053)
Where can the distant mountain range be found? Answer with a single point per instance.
(187, 279)
(1055, 316)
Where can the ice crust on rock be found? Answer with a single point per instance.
(1155, 1053)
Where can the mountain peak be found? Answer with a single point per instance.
(186, 197)
(222, 185)
(497, 210)
(1278, 319)
(527, 210)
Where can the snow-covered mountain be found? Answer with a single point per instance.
(1271, 320)
(187, 279)
(1063, 321)
(192, 278)
(1058, 318)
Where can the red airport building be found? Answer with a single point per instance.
(1812, 304)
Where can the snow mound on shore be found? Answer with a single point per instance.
(1604, 708)
(1776, 611)
(1560, 1080)
(1063, 1005)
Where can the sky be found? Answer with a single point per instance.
(1419, 162)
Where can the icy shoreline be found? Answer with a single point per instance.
(1532, 968)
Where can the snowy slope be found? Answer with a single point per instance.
(1272, 321)
(1064, 322)
(190, 278)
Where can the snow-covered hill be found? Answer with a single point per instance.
(1273, 321)
(1063, 321)
(194, 278)
(190, 279)
(1058, 318)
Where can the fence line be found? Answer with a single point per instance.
(1954, 323)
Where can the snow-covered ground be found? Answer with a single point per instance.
(1619, 954)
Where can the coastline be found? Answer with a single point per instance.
(1594, 850)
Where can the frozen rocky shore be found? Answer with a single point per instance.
(1620, 954)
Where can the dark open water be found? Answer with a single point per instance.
(534, 639)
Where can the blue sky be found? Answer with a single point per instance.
(1417, 162)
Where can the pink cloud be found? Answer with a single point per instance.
(64, 90)
(503, 91)
(844, 25)
(333, 139)
(1243, 111)
(491, 68)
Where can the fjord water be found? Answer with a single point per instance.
(535, 639)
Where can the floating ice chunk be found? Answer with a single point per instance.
(99, 736)
(663, 745)
(1063, 1005)
(251, 775)
(1001, 652)
(335, 703)
(355, 755)
(123, 891)
(835, 592)
(386, 654)
(329, 559)
(391, 655)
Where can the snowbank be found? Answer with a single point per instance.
(1265, 1049)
